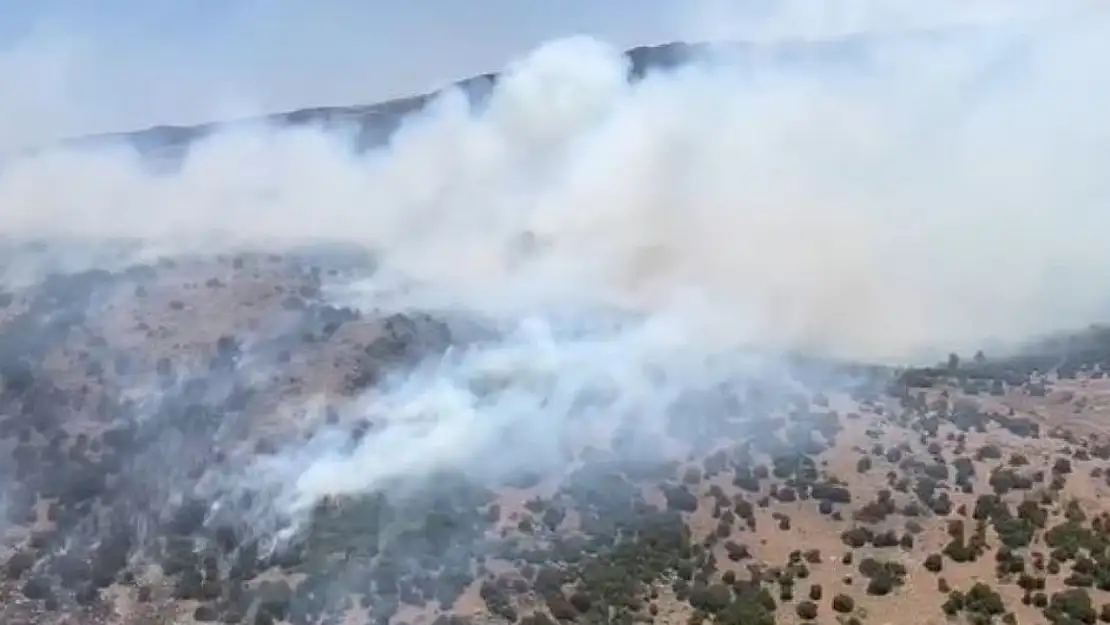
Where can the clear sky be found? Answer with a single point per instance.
(75, 66)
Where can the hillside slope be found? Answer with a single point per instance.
(225, 437)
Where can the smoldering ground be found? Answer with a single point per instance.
(576, 268)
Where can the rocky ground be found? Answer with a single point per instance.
(974, 491)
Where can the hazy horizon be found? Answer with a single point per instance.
(68, 68)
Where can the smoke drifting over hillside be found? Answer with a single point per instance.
(898, 200)
(929, 194)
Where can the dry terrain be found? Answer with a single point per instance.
(972, 492)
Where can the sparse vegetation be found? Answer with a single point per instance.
(633, 530)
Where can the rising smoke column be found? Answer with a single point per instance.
(936, 195)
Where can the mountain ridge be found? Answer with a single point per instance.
(377, 121)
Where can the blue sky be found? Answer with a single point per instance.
(74, 66)
(141, 61)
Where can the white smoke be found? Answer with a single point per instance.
(937, 195)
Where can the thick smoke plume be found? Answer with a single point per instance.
(627, 240)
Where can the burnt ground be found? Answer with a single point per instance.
(972, 491)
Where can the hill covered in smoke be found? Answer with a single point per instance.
(503, 344)
(845, 197)
(373, 124)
